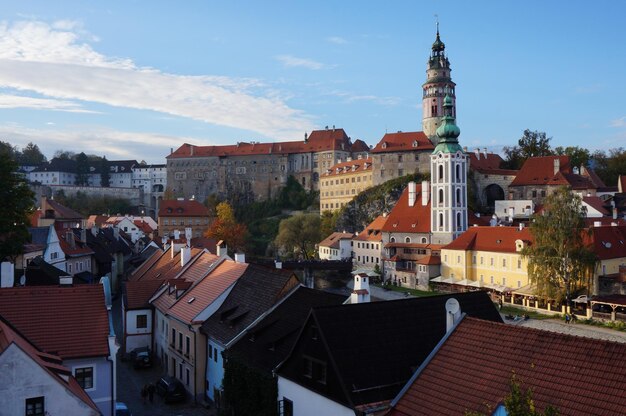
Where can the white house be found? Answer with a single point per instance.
(368, 246)
(337, 246)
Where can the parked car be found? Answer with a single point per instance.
(141, 357)
(171, 389)
(121, 409)
(582, 299)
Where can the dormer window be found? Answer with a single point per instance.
(414, 143)
(384, 146)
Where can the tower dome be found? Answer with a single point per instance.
(448, 131)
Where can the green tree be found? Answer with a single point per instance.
(82, 169)
(531, 144)
(64, 154)
(13, 151)
(17, 201)
(577, 155)
(31, 155)
(329, 222)
(559, 259)
(609, 166)
(105, 174)
(299, 235)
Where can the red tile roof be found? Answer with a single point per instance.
(60, 211)
(50, 363)
(471, 371)
(609, 242)
(67, 238)
(143, 226)
(596, 203)
(406, 219)
(184, 208)
(494, 239)
(489, 164)
(207, 290)
(359, 146)
(373, 231)
(403, 142)
(146, 265)
(540, 171)
(138, 293)
(318, 140)
(333, 240)
(71, 322)
(353, 166)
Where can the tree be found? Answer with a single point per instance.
(559, 259)
(105, 174)
(520, 403)
(226, 228)
(329, 222)
(17, 201)
(64, 154)
(31, 155)
(609, 167)
(577, 155)
(13, 151)
(299, 235)
(531, 144)
(82, 169)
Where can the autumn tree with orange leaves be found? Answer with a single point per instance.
(227, 229)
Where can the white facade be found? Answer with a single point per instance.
(127, 225)
(367, 254)
(138, 333)
(52, 178)
(308, 403)
(53, 253)
(162, 329)
(22, 378)
(449, 195)
(344, 251)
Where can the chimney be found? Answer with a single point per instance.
(521, 226)
(191, 149)
(477, 152)
(221, 249)
(411, 194)
(583, 171)
(597, 223)
(94, 231)
(557, 165)
(176, 234)
(453, 313)
(188, 236)
(614, 213)
(278, 264)
(425, 193)
(240, 258)
(83, 235)
(361, 291)
(185, 256)
(171, 150)
(69, 239)
(7, 274)
(485, 152)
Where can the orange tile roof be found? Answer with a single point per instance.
(333, 239)
(373, 231)
(403, 142)
(596, 203)
(139, 292)
(472, 369)
(406, 219)
(184, 208)
(50, 363)
(609, 242)
(146, 265)
(351, 167)
(318, 140)
(71, 322)
(66, 237)
(360, 146)
(540, 171)
(494, 239)
(207, 290)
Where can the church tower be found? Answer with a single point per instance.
(448, 172)
(437, 86)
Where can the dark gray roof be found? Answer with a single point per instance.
(57, 165)
(269, 342)
(372, 349)
(39, 235)
(256, 291)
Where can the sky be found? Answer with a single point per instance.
(133, 79)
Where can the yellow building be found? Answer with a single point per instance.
(342, 182)
(486, 257)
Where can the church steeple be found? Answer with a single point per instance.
(437, 86)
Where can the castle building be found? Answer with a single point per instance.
(342, 182)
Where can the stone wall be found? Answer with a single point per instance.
(133, 195)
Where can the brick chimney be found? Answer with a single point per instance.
(557, 165)
(412, 193)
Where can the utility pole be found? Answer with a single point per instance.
(567, 282)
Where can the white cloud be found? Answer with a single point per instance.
(292, 61)
(351, 97)
(51, 60)
(18, 101)
(337, 40)
(619, 122)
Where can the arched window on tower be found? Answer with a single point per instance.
(440, 222)
(458, 197)
(458, 172)
(440, 175)
(459, 226)
(440, 197)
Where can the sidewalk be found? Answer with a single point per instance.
(578, 329)
(381, 294)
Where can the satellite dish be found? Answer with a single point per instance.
(23, 280)
(452, 306)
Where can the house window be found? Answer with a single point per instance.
(69, 268)
(142, 321)
(308, 368)
(180, 345)
(187, 345)
(35, 406)
(173, 337)
(215, 354)
(491, 261)
(287, 407)
(187, 377)
(504, 281)
(210, 352)
(519, 264)
(504, 263)
(180, 371)
(84, 377)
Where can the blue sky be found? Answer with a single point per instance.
(132, 79)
